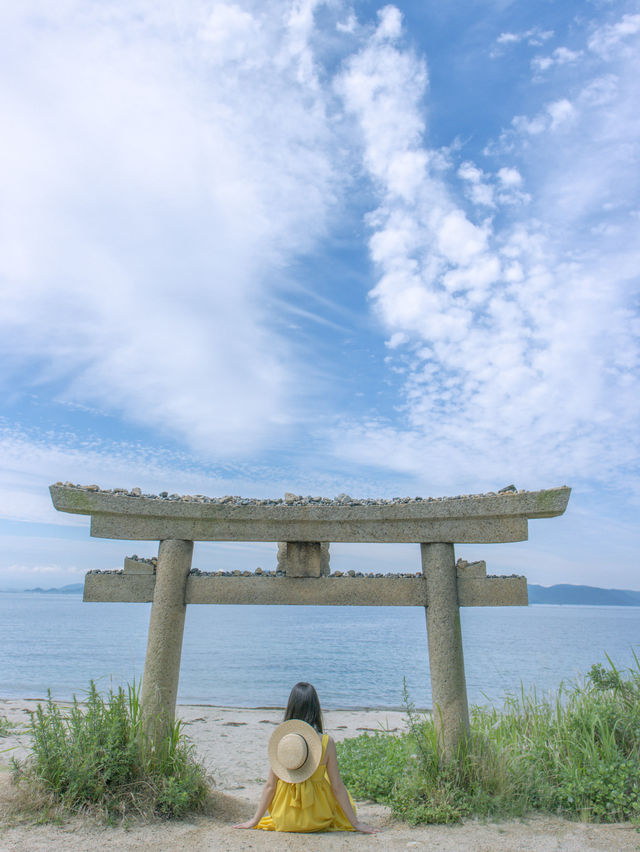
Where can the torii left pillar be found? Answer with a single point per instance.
(164, 644)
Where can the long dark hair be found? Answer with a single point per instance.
(304, 704)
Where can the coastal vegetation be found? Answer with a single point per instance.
(96, 757)
(5, 726)
(574, 754)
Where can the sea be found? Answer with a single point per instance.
(357, 657)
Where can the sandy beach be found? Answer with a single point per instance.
(232, 744)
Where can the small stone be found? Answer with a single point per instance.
(137, 492)
(351, 573)
(291, 498)
(508, 489)
(338, 574)
(163, 494)
(236, 572)
(259, 570)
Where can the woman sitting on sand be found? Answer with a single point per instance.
(304, 790)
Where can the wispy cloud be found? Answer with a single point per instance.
(163, 171)
(518, 335)
(617, 36)
(143, 157)
(560, 56)
(532, 37)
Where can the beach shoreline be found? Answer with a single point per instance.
(232, 744)
(209, 727)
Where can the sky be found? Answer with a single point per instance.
(321, 247)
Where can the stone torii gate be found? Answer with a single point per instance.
(304, 527)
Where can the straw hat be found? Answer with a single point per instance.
(295, 749)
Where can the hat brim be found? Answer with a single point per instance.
(314, 755)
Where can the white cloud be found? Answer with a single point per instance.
(509, 177)
(142, 160)
(555, 115)
(560, 112)
(612, 38)
(520, 332)
(560, 56)
(533, 37)
(459, 240)
(478, 190)
(390, 23)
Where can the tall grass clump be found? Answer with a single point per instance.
(576, 754)
(6, 727)
(96, 756)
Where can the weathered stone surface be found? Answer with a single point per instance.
(337, 590)
(463, 531)
(471, 569)
(132, 565)
(166, 628)
(483, 518)
(492, 591)
(446, 660)
(117, 587)
(325, 566)
(303, 559)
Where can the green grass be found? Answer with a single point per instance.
(576, 754)
(6, 727)
(95, 756)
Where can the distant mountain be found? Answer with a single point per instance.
(72, 589)
(583, 595)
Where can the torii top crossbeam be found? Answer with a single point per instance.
(121, 514)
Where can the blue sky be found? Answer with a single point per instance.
(249, 248)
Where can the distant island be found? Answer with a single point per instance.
(563, 593)
(72, 589)
(582, 595)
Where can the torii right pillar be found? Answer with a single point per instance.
(446, 659)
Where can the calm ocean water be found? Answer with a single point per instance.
(250, 656)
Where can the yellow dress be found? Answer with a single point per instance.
(308, 806)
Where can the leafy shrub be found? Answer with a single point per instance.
(576, 754)
(97, 756)
(373, 763)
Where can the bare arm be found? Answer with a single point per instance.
(340, 791)
(266, 798)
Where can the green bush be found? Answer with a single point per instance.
(97, 756)
(372, 763)
(576, 754)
